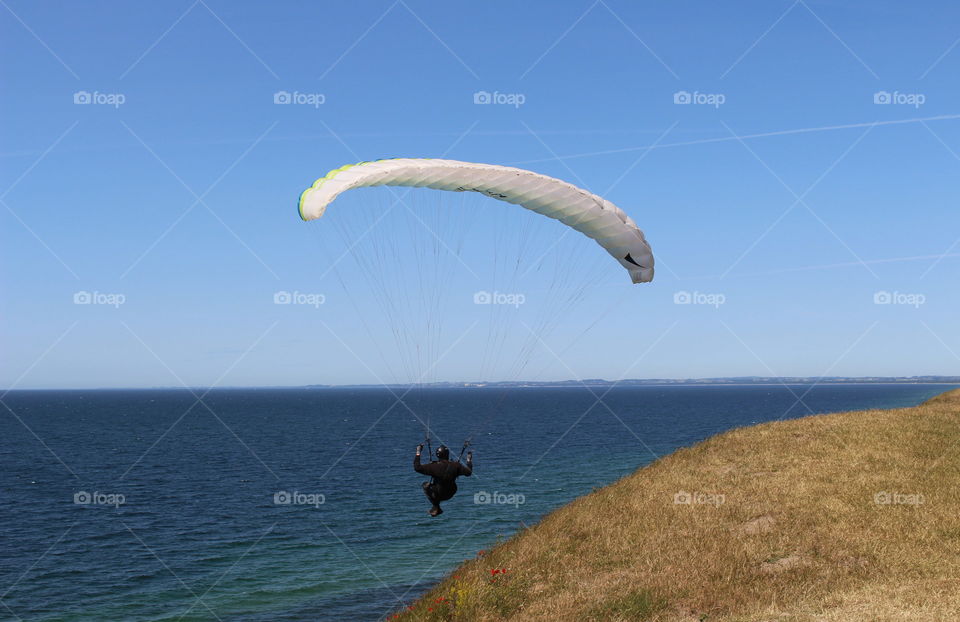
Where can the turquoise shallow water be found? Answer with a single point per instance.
(199, 535)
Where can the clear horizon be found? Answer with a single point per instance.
(479, 384)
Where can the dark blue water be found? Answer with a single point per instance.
(199, 536)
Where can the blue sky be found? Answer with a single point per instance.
(806, 196)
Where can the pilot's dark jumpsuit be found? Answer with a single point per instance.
(444, 474)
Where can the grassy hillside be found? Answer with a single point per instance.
(848, 516)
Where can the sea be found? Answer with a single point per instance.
(302, 504)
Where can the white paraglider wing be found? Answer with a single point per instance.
(583, 211)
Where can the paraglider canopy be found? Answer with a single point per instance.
(577, 208)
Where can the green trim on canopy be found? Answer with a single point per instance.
(331, 174)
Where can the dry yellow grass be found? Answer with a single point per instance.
(848, 516)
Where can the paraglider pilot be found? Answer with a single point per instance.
(444, 473)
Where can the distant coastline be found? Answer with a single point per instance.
(590, 382)
(600, 382)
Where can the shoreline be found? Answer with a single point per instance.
(824, 517)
